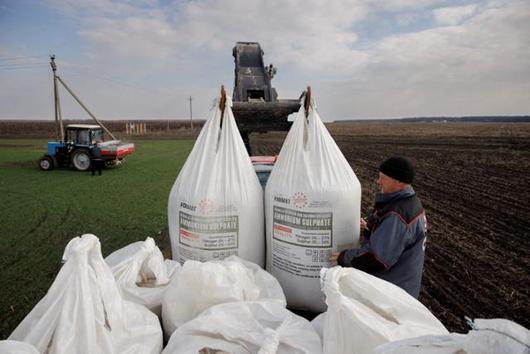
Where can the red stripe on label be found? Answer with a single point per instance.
(188, 234)
(282, 228)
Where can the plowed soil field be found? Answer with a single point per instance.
(474, 182)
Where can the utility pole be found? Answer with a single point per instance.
(59, 131)
(191, 113)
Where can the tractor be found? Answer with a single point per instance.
(80, 145)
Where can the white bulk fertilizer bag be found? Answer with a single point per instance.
(365, 311)
(246, 327)
(141, 273)
(83, 311)
(489, 336)
(14, 347)
(313, 203)
(199, 286)
(215, 207)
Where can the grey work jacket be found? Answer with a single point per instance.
(394, 245)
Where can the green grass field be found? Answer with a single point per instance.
(41, 211)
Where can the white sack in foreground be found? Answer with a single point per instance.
(495, 336)
(141, 273)
(365, 311)
(83, 311)
(246, 327)
(14, 347)
(202, 285)
(313, 201)
(215, 207)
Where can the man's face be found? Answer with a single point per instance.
(388, 184)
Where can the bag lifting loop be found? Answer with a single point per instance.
(307, 106)
(222, 104)
(307, 101)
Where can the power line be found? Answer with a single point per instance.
(23, 57)
(105, 78)
(21, 65)
(25, 67)
(91, 75)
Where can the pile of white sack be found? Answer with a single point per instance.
(103, 306)
(232, 306)
(84, 310)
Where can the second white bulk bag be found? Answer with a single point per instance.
(246, 327)
(141, 273)
(365, 311)
(313, 203)
(199, 286)
(15, 347)
(83, 311)
(488, 336)
(215, 207)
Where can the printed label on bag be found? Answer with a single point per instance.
(312, 229)
(187, 253)
(301, 241)
(208, 232)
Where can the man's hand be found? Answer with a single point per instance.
(333, 259)
(364, 225)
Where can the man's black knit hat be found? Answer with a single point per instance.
(398, 168)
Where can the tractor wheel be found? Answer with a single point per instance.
(81, 160)
(46, 163)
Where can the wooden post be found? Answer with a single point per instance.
(191, 114)
(59, 129)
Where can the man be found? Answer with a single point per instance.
(96, 162)
(393, 238)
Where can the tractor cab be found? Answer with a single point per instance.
(84, 134)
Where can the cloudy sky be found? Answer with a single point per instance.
(131, 59)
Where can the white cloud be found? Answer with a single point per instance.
(454, 15)
(131, 38)
(400, 5)
(312, 34)
(477, 65)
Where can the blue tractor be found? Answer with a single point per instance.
(81, 143)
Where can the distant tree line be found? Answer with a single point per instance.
(46, 128)
(467, 119)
